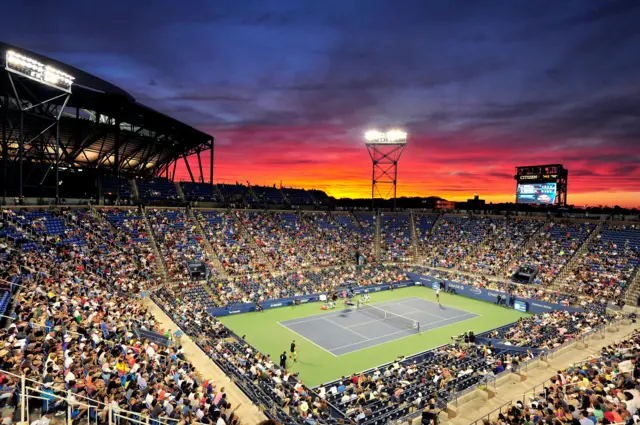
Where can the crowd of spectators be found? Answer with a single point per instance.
(493, 256)
(602, 390)
(553, 248)
(273, 232)
(335, 243)
(74, 330)
(534, 292)
(395, 240)
(605, 270)
(549, 330)
(178, 240)
(232, 245)
(74, 338)
(263, 380)
(422, 382)
(456, 237)
(112, 243)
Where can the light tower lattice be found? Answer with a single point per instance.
(385, 149)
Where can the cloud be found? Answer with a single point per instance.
(287, 89)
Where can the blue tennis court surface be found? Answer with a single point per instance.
(345, 331)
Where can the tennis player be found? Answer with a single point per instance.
(294, 353)
(438, 295)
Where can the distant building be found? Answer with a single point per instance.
(443, 204)
(474, 204)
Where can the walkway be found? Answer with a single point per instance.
(514, 390)
(248, 412)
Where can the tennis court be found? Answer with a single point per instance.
(344, 331)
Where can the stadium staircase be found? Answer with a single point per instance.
(254, 245)
(414, 237)
(134, 189)
(422, 244)
(531, 379)
(179, 191)
(570, 265)
(525, 246)
(377, 238)
(207, 245)
(633, 292)
(311, 262)
(154, 246)
(477, 248)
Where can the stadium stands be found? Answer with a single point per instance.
(275, 234)
(548, 331)
(498, 251)
(300, 197)
(157, 189)
(424, 223)
(234, 249)
(74, 339)
(178, 240)
(391, 391)
(553, 248)
(113, 186)
(233, 192)
(200, 192)
(606, 268)
(97, 257)
(457, 236)
(268, 195)
(600, 390)
(396, 237)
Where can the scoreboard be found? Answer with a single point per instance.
(541, 185)
(536, 193)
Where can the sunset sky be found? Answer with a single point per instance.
(288, 87)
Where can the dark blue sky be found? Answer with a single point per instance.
(481, 86)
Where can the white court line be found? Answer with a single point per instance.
(321, 316)
(398, 339)
(307, 339)
(316, 317)
(409, 299)
(350, 330)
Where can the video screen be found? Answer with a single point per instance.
(520, 306)
(536, 193)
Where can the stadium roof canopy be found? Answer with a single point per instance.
(100, 125)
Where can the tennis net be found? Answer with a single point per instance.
(397, 319)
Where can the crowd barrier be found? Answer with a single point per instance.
(482, 294)
(490, 295)
(303, 299)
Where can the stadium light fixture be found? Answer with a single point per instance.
(37, 71)
(391, 137)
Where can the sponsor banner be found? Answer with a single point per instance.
(482, 294)
(283, 302)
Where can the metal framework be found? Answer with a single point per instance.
(385, 150)
(99, 129)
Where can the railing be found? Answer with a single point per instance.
(495, 412)
(536, 389)
(36, 399)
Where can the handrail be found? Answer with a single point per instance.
(26, 393)
(544, 383)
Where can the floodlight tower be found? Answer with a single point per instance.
(23, 71)
(385, 149)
